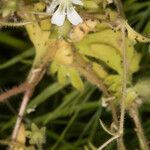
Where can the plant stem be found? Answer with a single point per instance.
(124, 94)
(114, 113)
(15, 90)
(108, 142)
(120, 142)
(86, 70)
(119, 6)
(133, 111)
(32, 79)
(35, 76)
(24, 103)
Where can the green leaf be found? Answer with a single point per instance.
(37, 136)
(61, 75)
(75, 79)
(108, 55)
(54, 67)
(106, 46)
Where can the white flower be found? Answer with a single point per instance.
(65, 7)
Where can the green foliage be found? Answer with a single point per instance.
(72, 116)
(37, 136)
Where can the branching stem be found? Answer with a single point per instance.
(35, 76)
(87, 72)
(108, 142)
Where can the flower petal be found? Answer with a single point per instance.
(77, 2)
(73, 16)
(59, 16)
(50, 9)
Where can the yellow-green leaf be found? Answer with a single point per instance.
(54, 67)
(61, 75)
(135, 62)
(75, 79)
(99, 70)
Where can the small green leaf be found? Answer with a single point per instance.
(61, 75)
(75, 79)
(54, 67)
(37, 136)
(135, 62)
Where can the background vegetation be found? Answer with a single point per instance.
(71, 117)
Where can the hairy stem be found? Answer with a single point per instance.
(119, 6)
(24, 103)
(19, 24)
(15, 90)
(86, 70)
(133, 111)
(114, 113)
(124, 94)
(35, 76)
(120, 142)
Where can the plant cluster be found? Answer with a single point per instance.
(90, 45)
